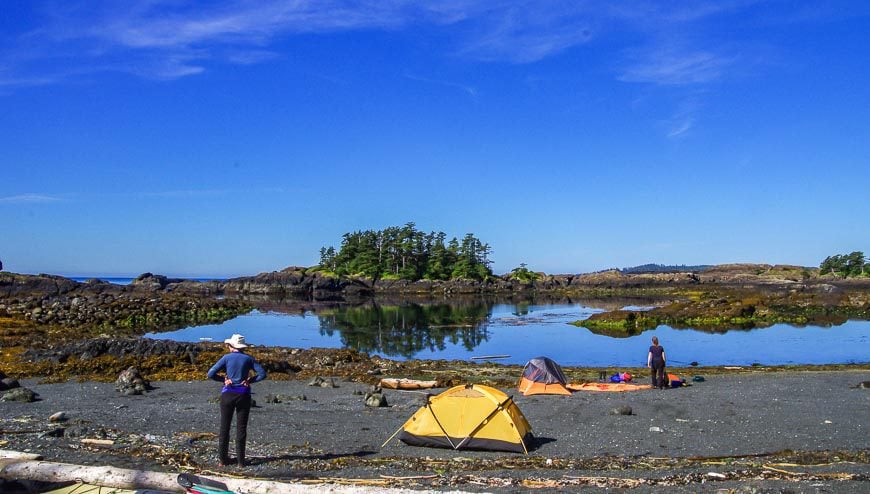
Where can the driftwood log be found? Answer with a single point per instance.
(22, 468)
(9, 454)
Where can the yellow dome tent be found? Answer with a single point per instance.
(471, 416)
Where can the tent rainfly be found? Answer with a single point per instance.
(542, 376)
(471, 416)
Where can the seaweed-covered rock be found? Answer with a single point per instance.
(375, 397)
(376, 400)
(279, 398)
(23, 395)
(131, 382)
(323, 382)
(119, 348)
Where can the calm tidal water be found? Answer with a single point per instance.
(523, 331)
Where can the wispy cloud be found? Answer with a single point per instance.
(679, 125)
(469, 90)
(169, 39)
(529, 32)
(185, 193)
(29, 199)
(193, 193)
(675, 67)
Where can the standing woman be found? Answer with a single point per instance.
(236, 394)
(655, 360)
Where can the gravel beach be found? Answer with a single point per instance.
(727, 432)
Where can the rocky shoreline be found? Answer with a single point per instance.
(296, 282)
(53, 326)
(724, 296)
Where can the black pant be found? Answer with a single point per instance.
(658, 373)
(240, 403)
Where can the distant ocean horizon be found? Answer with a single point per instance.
(124, 280)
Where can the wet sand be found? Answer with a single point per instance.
(804, 418)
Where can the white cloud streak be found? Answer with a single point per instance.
(675, 67)
(680, 124)
(171, 39)
(469, 90)
(29, 199)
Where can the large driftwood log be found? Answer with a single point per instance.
(123, 478)
(18, 455)
(120, 478)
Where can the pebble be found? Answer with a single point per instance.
(58, 417)
(655, 429)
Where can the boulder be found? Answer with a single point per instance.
(279, 398)
(131, 382)
(323, 382)
(9, 383)
(375, 400)
(152, 282)
(56, 432)
(22, 395)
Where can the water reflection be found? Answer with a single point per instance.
(522, 329)
(405, 330)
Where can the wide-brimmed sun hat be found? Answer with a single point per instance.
(236, 341)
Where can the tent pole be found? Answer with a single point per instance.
(394, 435)
(441, 427)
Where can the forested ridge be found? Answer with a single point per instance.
(409, 254)
(845, 265)
(665, 268)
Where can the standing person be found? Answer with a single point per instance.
(655, 360)
(236, 366)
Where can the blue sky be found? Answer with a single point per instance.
(231, 138)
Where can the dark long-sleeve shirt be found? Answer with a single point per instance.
(238, 367)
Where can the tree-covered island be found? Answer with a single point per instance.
(408, 254)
